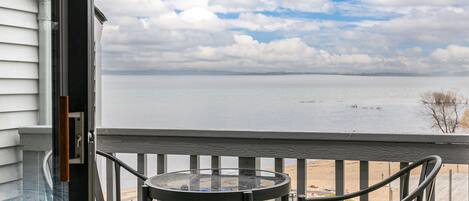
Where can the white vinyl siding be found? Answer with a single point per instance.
(17, 35)
(13, 120)
(18, 70)
(18, 86)
(9, 190)
(9, 138)
(19, 53)
(10, 173)
(12, 103)
(10, 156)
(15, 18)
(22, 5)
(19, 59)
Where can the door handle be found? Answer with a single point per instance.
(64, 139)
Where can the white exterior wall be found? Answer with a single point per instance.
(18, 86)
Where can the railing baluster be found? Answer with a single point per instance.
(142, 169)
(404, 181)
(98, 188)
(216, 162)
(194, 162)
(110, 178)
(279, 165)
(390, 184)
(118, 181)
(339, 177)
(146, 192)
(450, 193)
(247, 162)
(161, 163)
(364, 166)
(431, 189)
(423, 172)
(301, 177)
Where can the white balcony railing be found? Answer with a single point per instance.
(252, 145)
(249, 145)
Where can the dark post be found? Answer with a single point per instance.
(73, 63)
(404, 182)
(146, 193)
(339, 177)
(59, 88)
(80, 88)
(364, 175)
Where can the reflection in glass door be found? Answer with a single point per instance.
(35, 37)
(25, 99)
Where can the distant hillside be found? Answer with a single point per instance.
(220, 72)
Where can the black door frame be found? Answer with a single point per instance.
(73, 76)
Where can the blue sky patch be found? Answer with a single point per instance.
(229, 15)
(264, 37)
(334, 16)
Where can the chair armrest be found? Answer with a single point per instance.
(428, 182)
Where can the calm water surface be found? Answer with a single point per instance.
(281, 103)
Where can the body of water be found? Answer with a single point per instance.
(329, 103)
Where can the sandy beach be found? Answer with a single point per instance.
(321, 180)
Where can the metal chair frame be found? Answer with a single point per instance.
(117, 165)
(431, 165)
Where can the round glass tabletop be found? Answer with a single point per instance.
(218, 180)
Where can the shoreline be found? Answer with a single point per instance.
(321, 180)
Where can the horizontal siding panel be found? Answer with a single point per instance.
(11, 173)
(11, 103)
(18, 35)
(18, 19)
(10, 156)
(11, 52)
(19, 70)
(11, 190)
(17, 119)
(11, 86)
(23, 5)
(9, 138)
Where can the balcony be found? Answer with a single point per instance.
(320, 164)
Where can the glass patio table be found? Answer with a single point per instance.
(226, 184)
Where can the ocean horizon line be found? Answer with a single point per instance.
(274, 73)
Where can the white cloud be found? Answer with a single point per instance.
(260, 22)
(132, 8)
(414, 3)
(242, 5)
(454, 54)
(189, 34)
(252, 5)
(186, 4)
(283, 54)
(308, 5)
(431, 28)
(190, 19)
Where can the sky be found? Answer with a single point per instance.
(327, 36)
